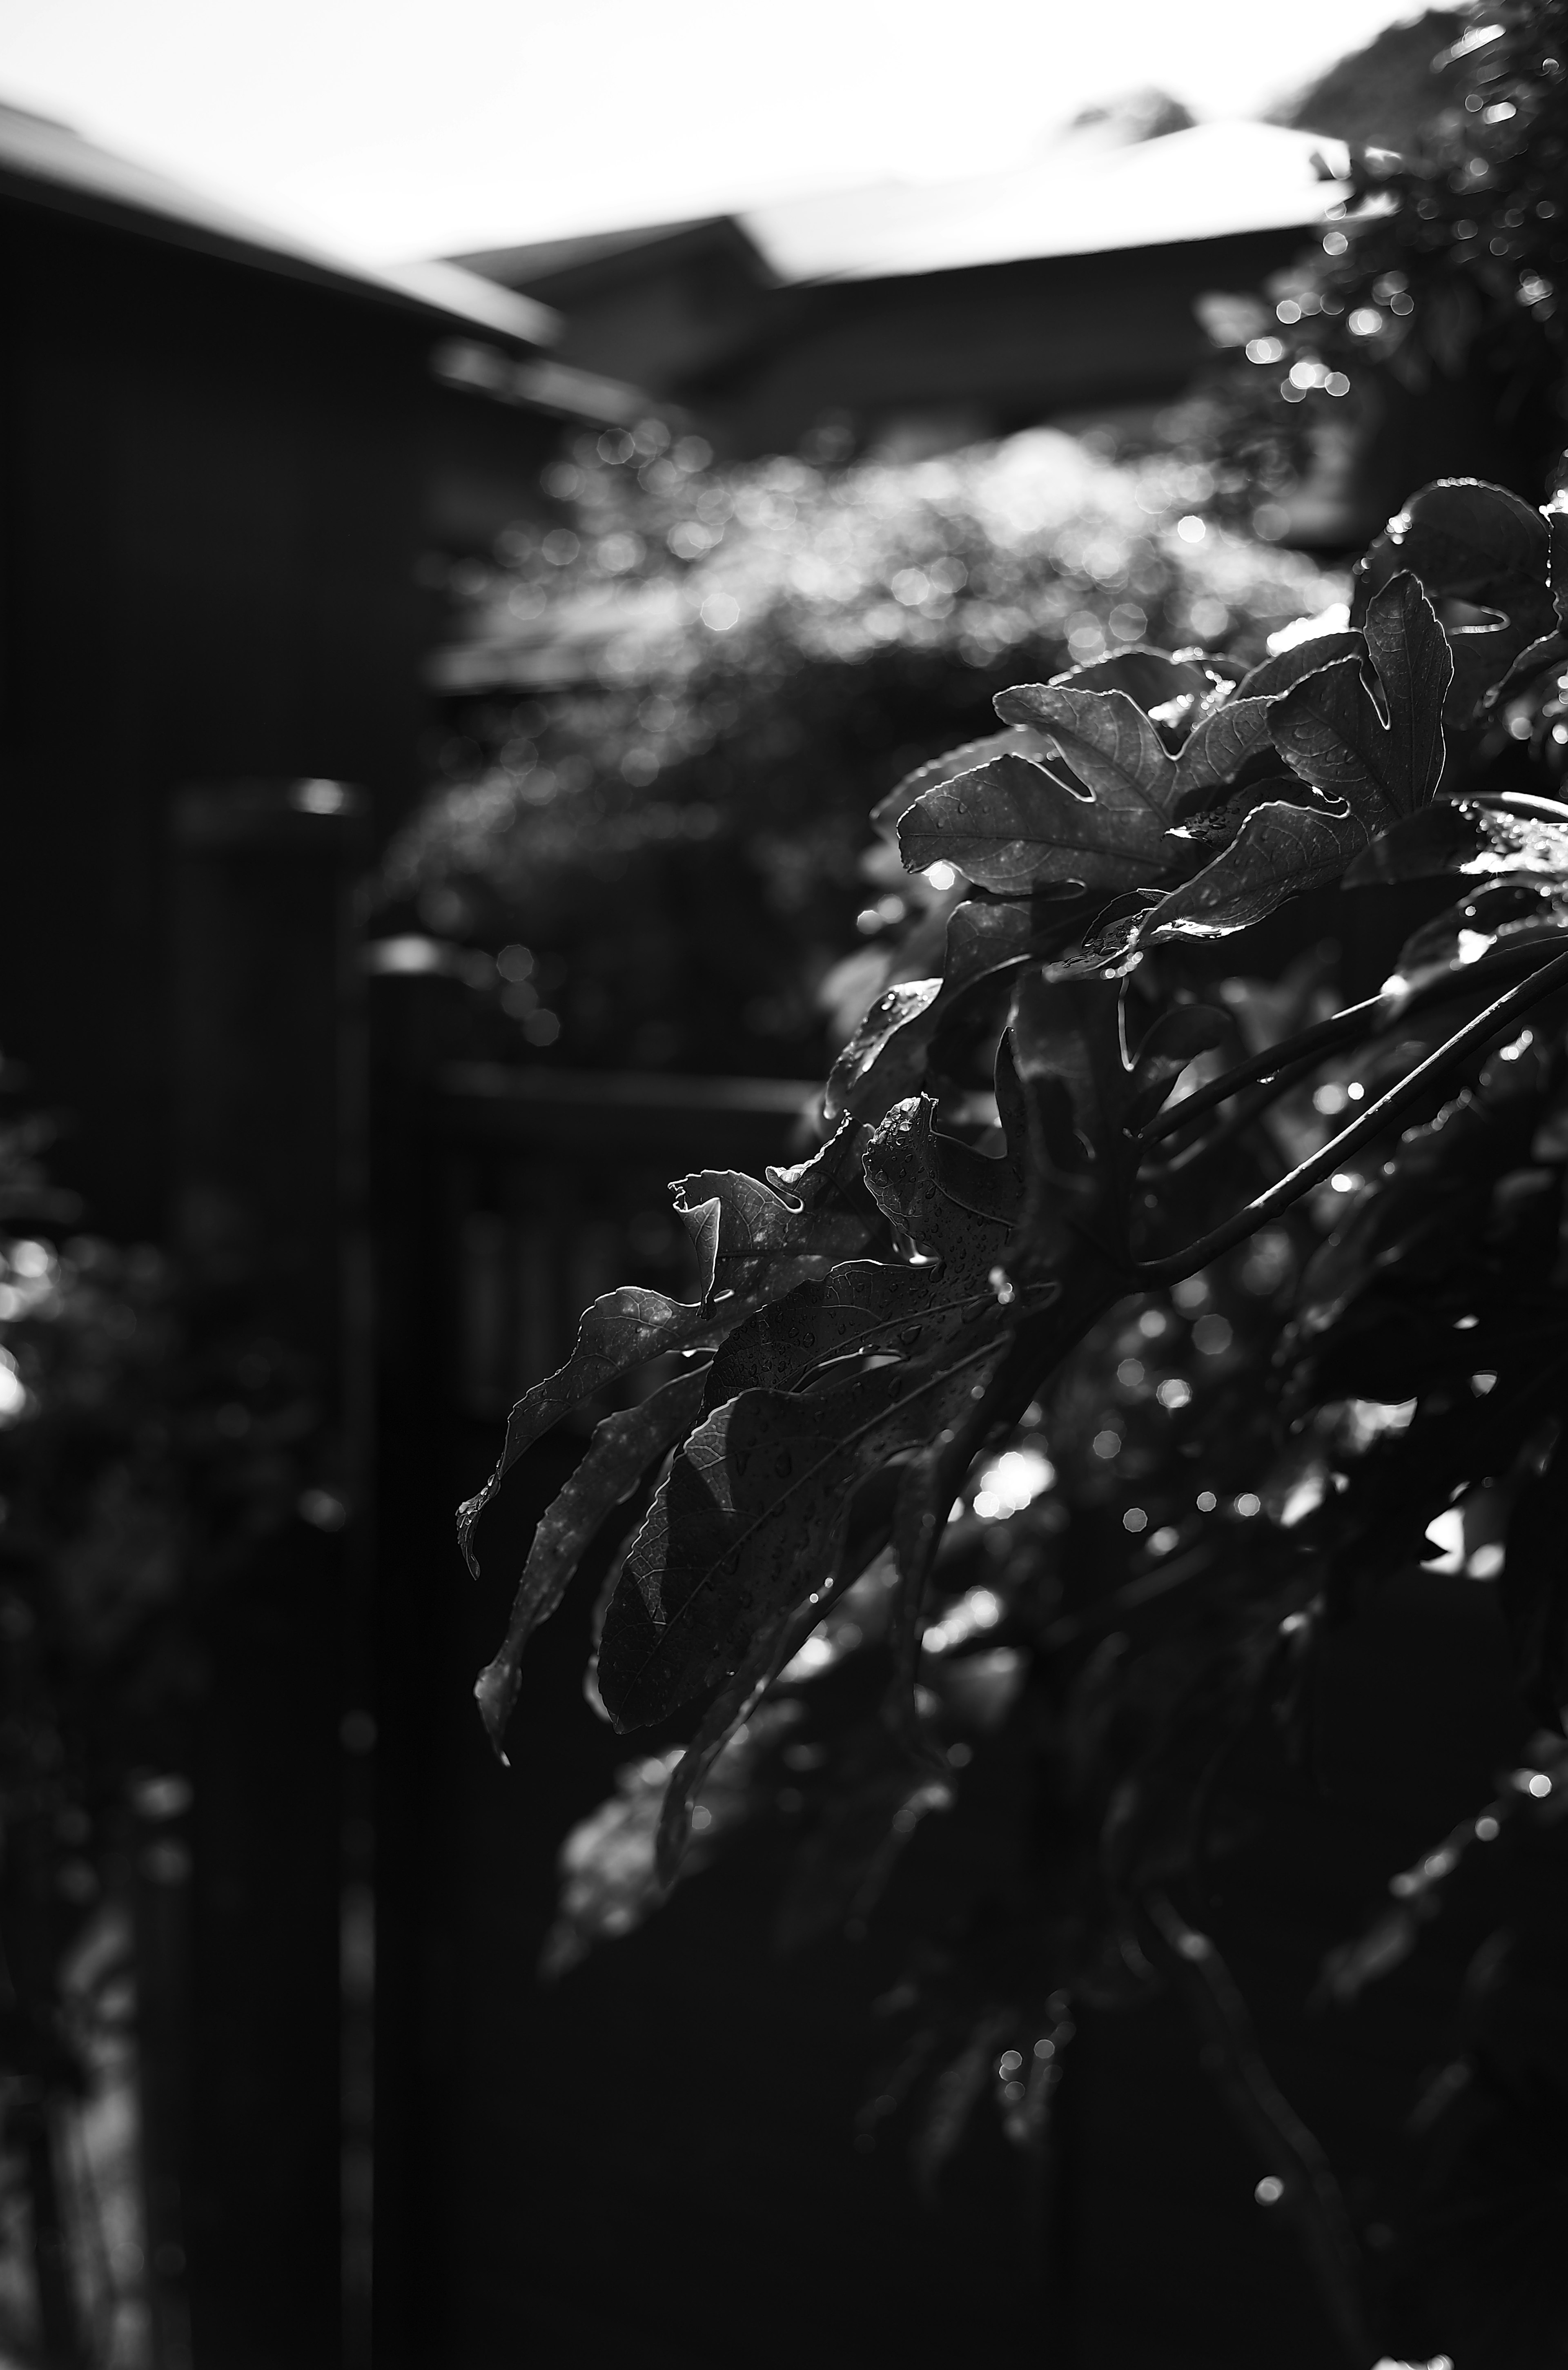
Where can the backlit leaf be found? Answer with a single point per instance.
(1015, 741)
(1216, 750)
(1012, 826)
(1329, 728)
(738, 1225)
(623, 1448)
(1285, 845)
(752, 1515)
(621, 1330)
(1278, 674)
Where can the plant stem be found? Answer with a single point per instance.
(1368, 1124)
(1278, 1067)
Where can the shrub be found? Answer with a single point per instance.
(673, 840)
(1148, 1313)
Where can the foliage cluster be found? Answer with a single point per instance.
(1139, 1323)
(670, 840)
(1441, 273)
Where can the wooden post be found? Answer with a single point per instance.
(266, 1129)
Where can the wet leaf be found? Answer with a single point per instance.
(1285, 845)
(1216, 750)
(885, 1059)
(1016, 741)
(622, 1331)
(739, 1226)
(902, 1171)
(867, 1305)
(1013, 824)
(621, 1452)
(752, 1515)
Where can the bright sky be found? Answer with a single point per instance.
(393, 128)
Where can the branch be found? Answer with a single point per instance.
(1368, 1124)
(1278, 1067)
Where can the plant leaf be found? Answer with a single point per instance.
(1496, 833)
(1216, 750)
(621, 1453)
(1013, 824)
(734, 1704)
(1286, 845)
(1104, 737)
(622, 1330)
(1151, 677)
(1329, 728)
(885, 1059)
(1018, 741)
(902, 1176)
(1087, 1097)
(1473, 542)
(738, 1224)
(752, 1516)
(1278, 674)
(867, 1304)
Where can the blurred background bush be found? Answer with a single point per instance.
(670, 708)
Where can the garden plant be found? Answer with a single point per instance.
(1150, 1304)
(1177, 1291)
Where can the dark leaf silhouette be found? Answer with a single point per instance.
(1088, 1095)
(1479, 544)
(623, 1448)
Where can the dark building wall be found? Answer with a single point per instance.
(216, 484)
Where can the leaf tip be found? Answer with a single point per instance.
(495, 1692)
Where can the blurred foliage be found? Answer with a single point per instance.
(1438, 283)
(1383, 95)
(670, 844)
(143, 1453)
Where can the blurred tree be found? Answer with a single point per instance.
(1384, 95)
(1425, 334)
(668, 706)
